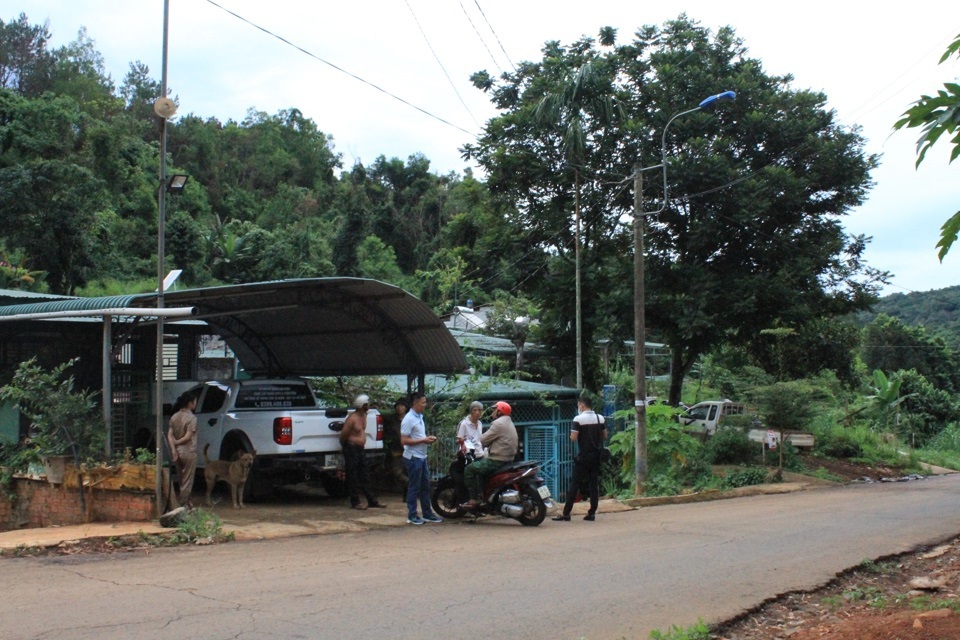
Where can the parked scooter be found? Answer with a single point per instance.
(515, 490)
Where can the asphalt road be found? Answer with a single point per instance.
(618, 577)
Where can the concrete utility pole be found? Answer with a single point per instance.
(639, 333)
(639, 293)
(161, 241)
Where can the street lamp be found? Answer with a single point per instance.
(165, 108)
(639, 292)
(177, 182)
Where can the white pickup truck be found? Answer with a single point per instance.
(704, 418)
(294, 439)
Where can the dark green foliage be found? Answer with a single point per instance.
(730, 445)
(890, 345)
(820, 343)
(722, 264)
(662, 484)
(745, 477)
(936, 311)
(838, 443)
(62, 418)
(927, 409)
(185, 246)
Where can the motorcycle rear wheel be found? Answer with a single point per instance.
(534, 508)
(445, 501)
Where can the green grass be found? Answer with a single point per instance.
(698, 631)
(878, 568)
(823, 474)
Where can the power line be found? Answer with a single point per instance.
(442, 68)
(480, 37)
(493, 31)
(340, 69)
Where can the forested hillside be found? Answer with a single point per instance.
(938, 311)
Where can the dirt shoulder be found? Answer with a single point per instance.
(907, 597)
(913, 596)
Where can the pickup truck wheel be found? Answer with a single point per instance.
(250, 487)
(334, 486)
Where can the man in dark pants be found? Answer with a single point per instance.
(589, 432)
(353, 438)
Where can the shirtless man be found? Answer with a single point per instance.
(353, 438)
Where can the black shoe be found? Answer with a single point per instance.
(376, 505)
(590, 517)
(561, 518)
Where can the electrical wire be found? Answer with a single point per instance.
(341, 70)
(480, 37)
(442, 68)
(493, 31)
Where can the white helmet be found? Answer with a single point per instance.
(361, 400)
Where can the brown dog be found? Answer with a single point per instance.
(234, 472)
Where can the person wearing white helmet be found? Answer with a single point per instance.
(353, 439)
(502, 443)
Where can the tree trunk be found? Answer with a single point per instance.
(679, 369)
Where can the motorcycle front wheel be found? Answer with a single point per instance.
(445, 500)
(534, 509)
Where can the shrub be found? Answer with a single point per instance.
(694, 473)
(730, 445)
(745, 477)
(662, 484)
(947, 440)
(62, 419)
(668, 445)
(838, 442)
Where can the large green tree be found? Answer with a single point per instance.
(891, 345)
(752, 233)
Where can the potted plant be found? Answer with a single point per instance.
(63, 422)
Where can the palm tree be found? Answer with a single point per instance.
(583, 99)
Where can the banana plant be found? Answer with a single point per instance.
(886, 395)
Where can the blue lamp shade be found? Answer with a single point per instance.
(720, 97)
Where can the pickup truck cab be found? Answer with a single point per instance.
(704, 418)
(280, 421)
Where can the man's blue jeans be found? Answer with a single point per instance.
(418, 486)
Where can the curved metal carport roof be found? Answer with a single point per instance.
(315, 327)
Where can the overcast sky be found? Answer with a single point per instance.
(872, 61)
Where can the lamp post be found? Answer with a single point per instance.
(164, 108)
(639, 291)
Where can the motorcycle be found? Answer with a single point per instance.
(515, 490)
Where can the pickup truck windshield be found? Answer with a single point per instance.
(279, 395)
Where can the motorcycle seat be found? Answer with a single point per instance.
(510, 466)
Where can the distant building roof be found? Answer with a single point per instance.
(466, 318)
(478, 342)
(443, 387)
(16, 296)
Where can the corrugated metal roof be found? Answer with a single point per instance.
(318, 326)
(490, 344)
(76, 304)
(16, 296)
